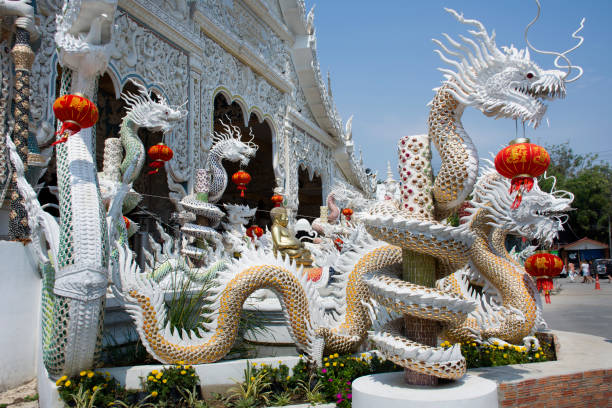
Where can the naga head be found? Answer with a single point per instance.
(502, 83)
(227, 145)
(156, 116)
(540, 216)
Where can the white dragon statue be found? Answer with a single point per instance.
(503, 83)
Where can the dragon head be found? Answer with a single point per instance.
(501, 83)
(540, 216)
(156, 116)
(227, 145)
(239, 214)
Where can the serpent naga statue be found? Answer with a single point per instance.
(499, 83)
(73, 296)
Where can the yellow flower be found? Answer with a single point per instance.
(181, 362)
(164, 381)
(363, 354)
(537, 355)
(487, 351)
(496, 342)
(95, 387)
(336, 355)
(158, 376)
(154, 394)
(335, 363)
(68, 383)
(106, 373)
(187, 367)
(183, 372)
(252, 378)
(254, 364)
(59, 382)
(325, 359)
(63, 378)
(280, 361)
(301, 356)
(150, 378)
(288, 377)
(341, 365)
(90, 374)
(473, 344)
(326, 364)
(83, 373)
(154, 372)
(193, 375)
(505, 355)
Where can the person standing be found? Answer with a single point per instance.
(586, 272)
(571, 271)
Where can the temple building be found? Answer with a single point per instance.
(251, 63)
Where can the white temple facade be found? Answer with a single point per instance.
(258, 54)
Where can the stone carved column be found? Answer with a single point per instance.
(417, 201)
(23, 57)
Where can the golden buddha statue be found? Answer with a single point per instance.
(284, 242)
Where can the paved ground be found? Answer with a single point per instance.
(578, 307)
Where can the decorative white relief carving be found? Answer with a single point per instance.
(248, 29)
(307, 152)
(139, 52)
(43, 69)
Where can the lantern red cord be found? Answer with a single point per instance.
(521, 161)
(156, 165)
(75, 112)
(544, 267)
(241, 179)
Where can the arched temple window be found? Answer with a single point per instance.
(310, 195)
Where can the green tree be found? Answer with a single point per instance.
(590, 180)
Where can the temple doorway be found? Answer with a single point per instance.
(310, 195)
(260, 189)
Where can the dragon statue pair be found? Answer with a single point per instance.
(87, 251)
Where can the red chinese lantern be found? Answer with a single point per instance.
(241, 179)
(544, 267)
(254, 231)
(521, 161)
(127, 222)
(347, 212)
(75, 112)
(277, 199)
(159, 154)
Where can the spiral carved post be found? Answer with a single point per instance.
(417, 202)
(23, 57)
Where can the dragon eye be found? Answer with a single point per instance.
(529, 75)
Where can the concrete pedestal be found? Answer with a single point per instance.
(389, 390)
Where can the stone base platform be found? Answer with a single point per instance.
(390, 390)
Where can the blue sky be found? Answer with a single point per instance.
(383, 68)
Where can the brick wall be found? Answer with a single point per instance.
(587, 389)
